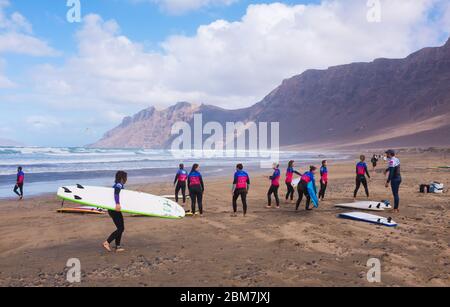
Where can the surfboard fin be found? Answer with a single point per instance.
(77, 197)
(379, 205)
(66, 190)
(80, 186)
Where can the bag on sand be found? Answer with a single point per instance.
(436, 187)
(424, 188)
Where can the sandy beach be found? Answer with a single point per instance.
(270, 247)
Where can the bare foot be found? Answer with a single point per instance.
(119, 249)
(269, 207)
(107, 246)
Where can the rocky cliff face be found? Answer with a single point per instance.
(406, 100)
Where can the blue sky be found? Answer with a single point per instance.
(65, 84)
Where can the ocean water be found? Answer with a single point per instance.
(47, 168)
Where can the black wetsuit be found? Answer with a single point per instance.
(196, 189)
(180, 181)
(395, 179)
(18, 188)
(361, 172)
(241, 183)
(117, 218)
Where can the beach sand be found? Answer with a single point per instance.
(269, 247)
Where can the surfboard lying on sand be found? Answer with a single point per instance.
(136, 203)
(367, 205)
(173, 196)
(369, 218)
(82, 210)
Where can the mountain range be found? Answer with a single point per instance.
(387, 102)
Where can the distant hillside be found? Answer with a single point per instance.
(388, 101)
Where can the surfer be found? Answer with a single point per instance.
(289, 177)
(18, 188)
(361, 172)
(274, 186)
(180, 183)
(323, 179)
(196, 189)
(394, 177)
(241, 185)
(374, 161)
(116, 215)
(302, 187)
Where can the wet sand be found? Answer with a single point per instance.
(269, 247)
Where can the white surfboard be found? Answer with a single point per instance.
(132, 202)
(367, 205)
(296, 181)
(173, 196)
(369, 218)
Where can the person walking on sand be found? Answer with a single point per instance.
(18, 188)
(241, 186)
(394, 177)
(361, 172)
(180, 183)
(274, 186)
(196, 189)
(374, 161)
(302, 187)
(289, 178)
(323, 179)
(116, 215)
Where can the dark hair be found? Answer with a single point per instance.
(121, 177)
(240, 166)
(19, 168)
(291, 163)
(324, 161)
(312, 168)
(362, 157)
(194, 167)
(181, 166)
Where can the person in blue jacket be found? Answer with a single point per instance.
(196, 189)
(241, 185)
(274, 186)
(302, 187)
(361, 172)
(180, 183)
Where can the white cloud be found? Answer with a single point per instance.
(233, 64)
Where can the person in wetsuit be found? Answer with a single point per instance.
(289, 178)
(196, 189)
(361, 172)
(274, 186)
(18, 188)
(302, 187)
(323, 179)
(180, 183)
(116, 215)
(241, 185)
(394, 177)
(374, 161)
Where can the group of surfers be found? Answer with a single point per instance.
(193, 182)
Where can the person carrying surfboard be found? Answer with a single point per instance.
(196, 189)
(180, 183)
(18, 188)
(289, 178)
(394, 177)
(241, 185)
(361, 172)
(302, 188)
(374, 161)
(116, 215)
(274, 186)
(323, 179)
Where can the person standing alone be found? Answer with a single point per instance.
(18, 188)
